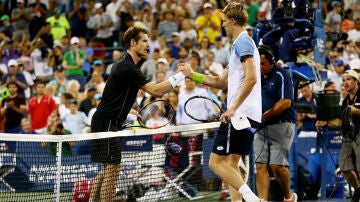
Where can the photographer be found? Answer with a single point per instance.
(55, 127)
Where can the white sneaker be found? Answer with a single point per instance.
(294, 198)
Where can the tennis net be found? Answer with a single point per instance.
(166, 164)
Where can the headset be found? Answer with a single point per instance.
(266, 50)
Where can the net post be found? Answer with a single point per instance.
(58, 171)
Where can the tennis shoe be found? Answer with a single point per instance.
(294, 198)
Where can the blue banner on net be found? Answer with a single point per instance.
(35, 166)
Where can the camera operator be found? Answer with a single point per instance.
(349, 159)
(56, 127)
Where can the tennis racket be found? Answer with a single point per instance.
(203, 109)
(155, 114)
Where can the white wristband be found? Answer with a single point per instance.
(176, 79)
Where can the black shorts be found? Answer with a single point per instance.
(236, 142)
(106, 150)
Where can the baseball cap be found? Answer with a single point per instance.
(207, 5)
(162, 60)
(352, 73)
(98, 62)
(98, 5)
(338, 62)
(12, 62)
(57, 11)
(97, 96)
(74, 40)
(5, 17)
(59, 68)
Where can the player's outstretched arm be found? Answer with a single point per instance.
(160, 89)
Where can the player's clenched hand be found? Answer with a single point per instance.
(186, 69)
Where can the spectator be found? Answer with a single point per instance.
(336, 75)
(163, 66)
(97, 98)
(102, 23)
(15, 76)
(183, 57)
(65, 43)
(4, 91)
(307, 120)
(175, 44)
(7, 28)
(63, 107)
(74, 89)
(28, 78)
(167, 26)
(45, 35)
(14, 108)
(60, 26)
(111, 9)
(348, 22)
(204, 48)
(26, 127)
(40, 108)
(97, 80)
(89, 54)
(187, 31)
(38, 18)
(354, 34)
(60, 82)
(252, 11)
(8, 50)
(211, 67)
(78, 19)
(208, 24)
(73, 62)
(55, 56)
(20, 19)
(56, 127)
(333, 18)
(154, 40)
(149, 67)
(88, 103)
(221, 54)
(39, 54)
(116, 54)
(50, 91)
(75, 121)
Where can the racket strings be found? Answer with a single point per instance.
(202, 109)
(156, 114)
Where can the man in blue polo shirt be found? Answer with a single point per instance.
(273, 140)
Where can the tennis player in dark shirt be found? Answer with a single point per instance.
(118, 97)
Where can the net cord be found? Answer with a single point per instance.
(90, 136)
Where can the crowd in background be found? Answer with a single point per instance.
(56, 55)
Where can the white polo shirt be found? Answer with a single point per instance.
(244, 46)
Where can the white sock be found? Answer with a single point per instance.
(247, 194)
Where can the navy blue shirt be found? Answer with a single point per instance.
(278, 85)
(308, 123)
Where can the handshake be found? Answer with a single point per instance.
(184, 70)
